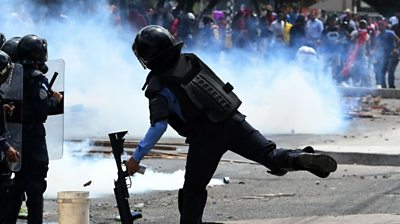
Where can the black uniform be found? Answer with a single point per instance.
(6, 70)
(208, 138)
(4, 145)
(210, 121)
(5, 172)
(31, 179)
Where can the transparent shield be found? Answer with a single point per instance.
(13, 95)
(55, 121)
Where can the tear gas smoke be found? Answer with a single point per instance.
(74, 170)
(103, 79)
(283, 96)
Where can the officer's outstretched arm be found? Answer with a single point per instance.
(152, 136)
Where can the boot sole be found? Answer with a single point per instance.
(317, 163)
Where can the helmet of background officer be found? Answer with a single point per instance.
(191, 19)
(2, 39)
(6, 66)
(363, 24)
(306, 55)
(191, 16)
(155, 47)
(32, 50)
(10, 47)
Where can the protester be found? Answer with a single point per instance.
(387, 50)
(136, 19)
(298, 34)
(329, 46)
(241, 27)
(314, 29)
(277, 28)
(356, 64)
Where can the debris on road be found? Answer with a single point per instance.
(226, 180)
(270, 196)
(369, 107)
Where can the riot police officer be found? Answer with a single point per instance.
(2, 39)
(7, 153)
(186, 94)
(38, 102)
(10, 47)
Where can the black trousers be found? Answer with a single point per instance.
(33, 188)
(5, 184)
(30, 181)
(236, 135)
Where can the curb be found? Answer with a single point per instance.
(369, 159)
(359, 91)
(353, 219)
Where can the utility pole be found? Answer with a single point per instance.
(230, 4)
(355, 4)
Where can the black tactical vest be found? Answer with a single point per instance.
(205, 99)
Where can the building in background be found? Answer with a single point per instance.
(356, 6)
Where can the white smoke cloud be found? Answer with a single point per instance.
(75, 169)
(103, 79)
(282, 96)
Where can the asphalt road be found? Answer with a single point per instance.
(353, 194)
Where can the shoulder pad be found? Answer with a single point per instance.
(186, 68)
(36, 73)
(192, 57)
(154, 87)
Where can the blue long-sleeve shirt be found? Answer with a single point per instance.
(156, 130)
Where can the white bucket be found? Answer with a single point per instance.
(73, 207)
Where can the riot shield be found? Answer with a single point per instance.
(13, 95)
(55, 121)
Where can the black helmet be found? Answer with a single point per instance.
(32, 49)
(363, 24)
(150, 42)
(6, 66)
(2, 39)
(10, 47)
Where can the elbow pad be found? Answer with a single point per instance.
(158, 109)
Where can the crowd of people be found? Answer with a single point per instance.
(348, 44)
